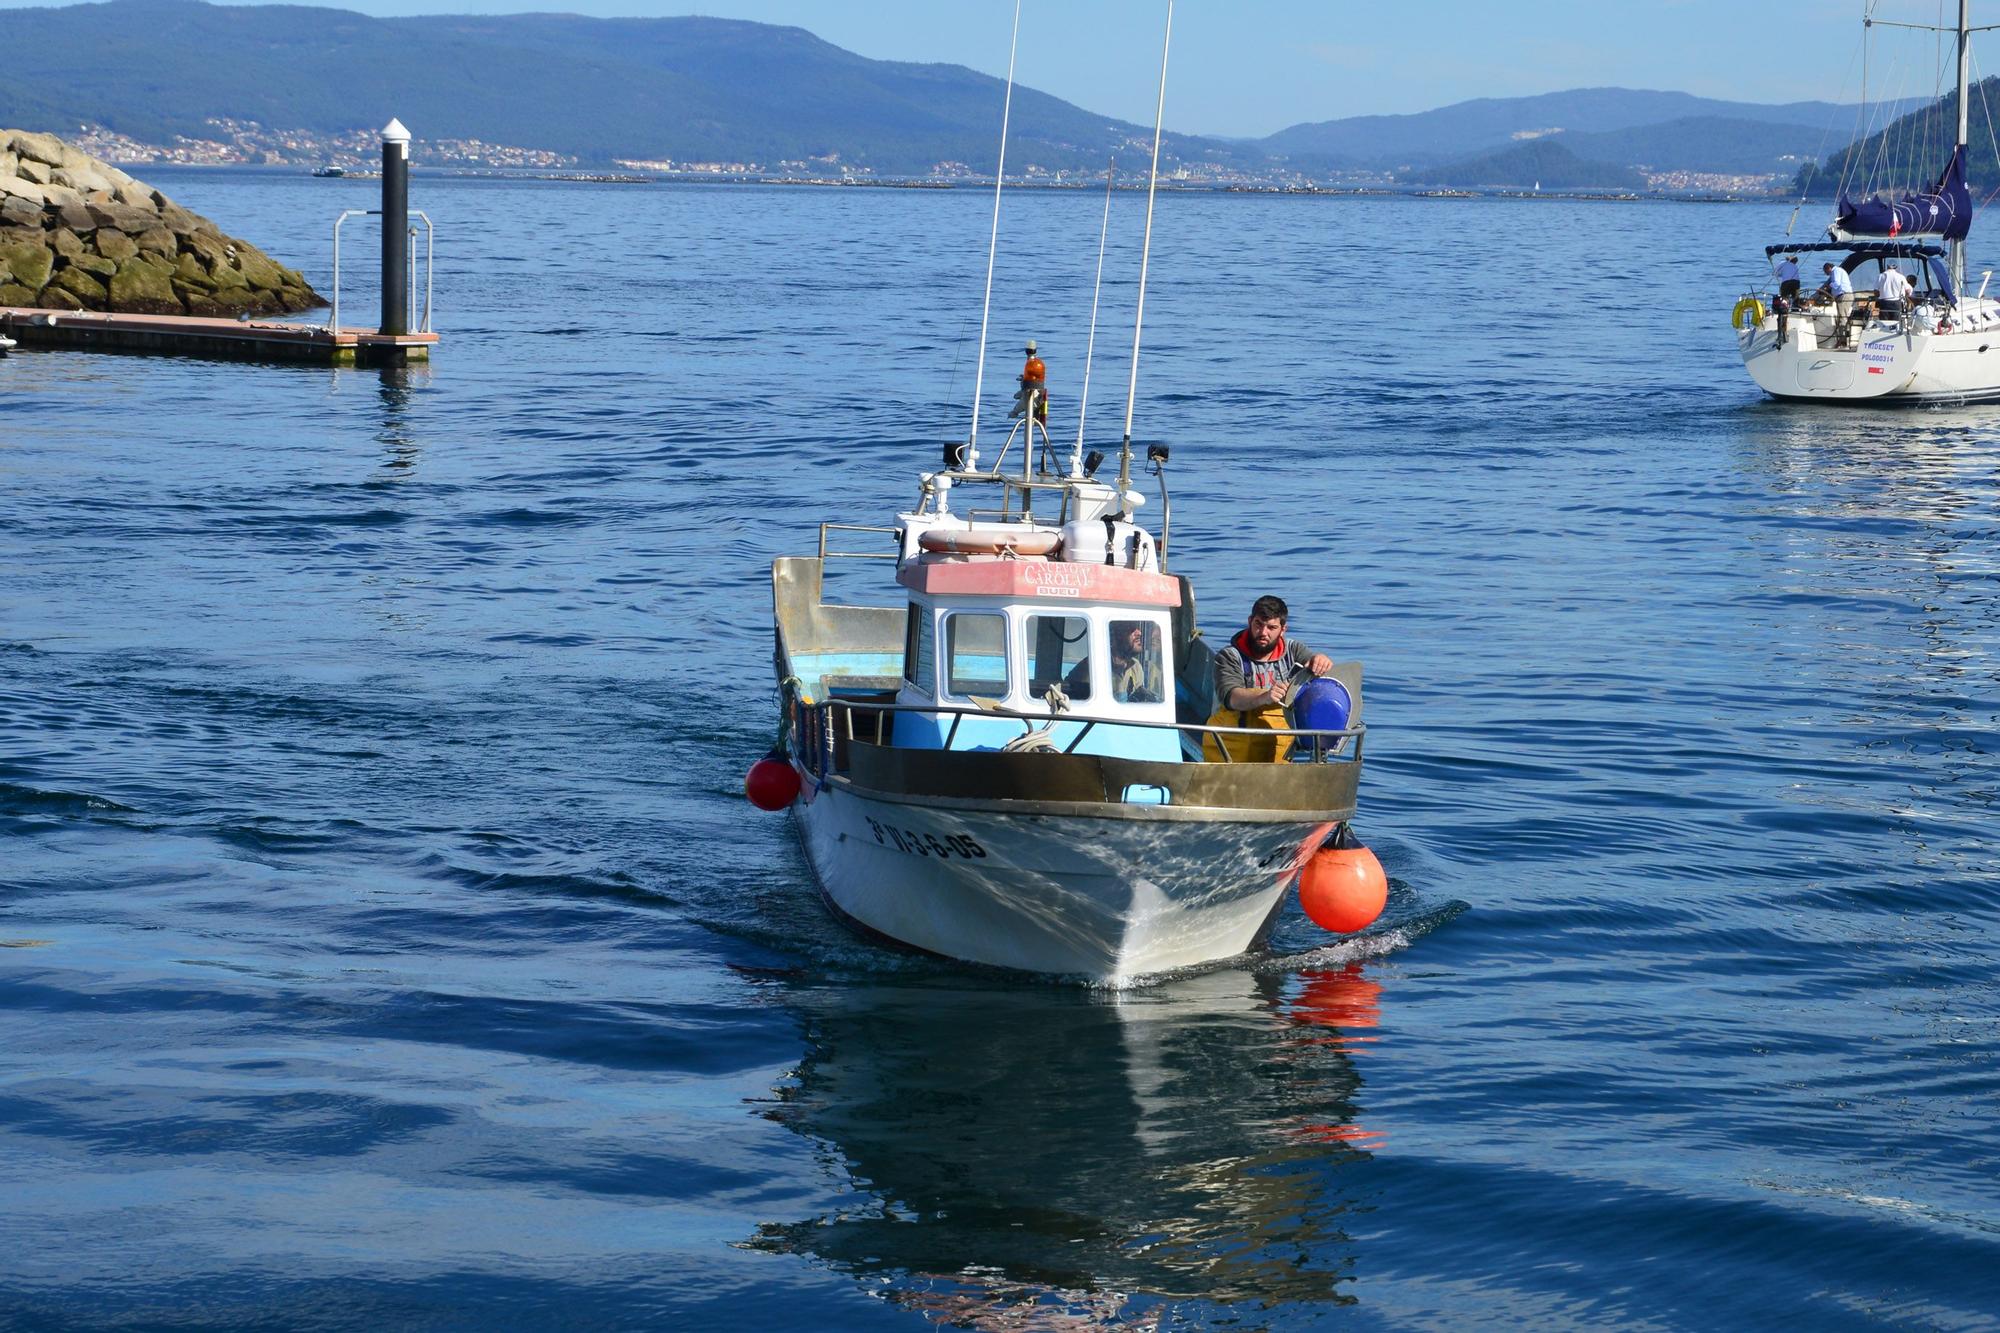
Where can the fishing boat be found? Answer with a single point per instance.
(1936, 344)
(1020, 763)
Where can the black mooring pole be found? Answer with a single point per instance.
(395, 228)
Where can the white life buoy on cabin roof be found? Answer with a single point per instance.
(988, 541)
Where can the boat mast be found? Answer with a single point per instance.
(1964, 51)
(1145, 254)
(992, 249)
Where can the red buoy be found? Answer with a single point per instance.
(1343, 890)
(771, 783)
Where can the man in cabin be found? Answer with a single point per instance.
(1788, 293)
(1135, 663)
(1034, 380)
(1840, 288)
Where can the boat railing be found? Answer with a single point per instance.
(1018, 493)
(826, 554)
(1309, 745)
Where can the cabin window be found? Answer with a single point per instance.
(976, 654)
(1059, 654)
(920, 650)
(1137, 664)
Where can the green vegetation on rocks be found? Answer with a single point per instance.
(142, 285)
(78, 234)
(83, 287)
(29, 264)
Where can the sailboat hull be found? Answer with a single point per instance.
(1882, 365)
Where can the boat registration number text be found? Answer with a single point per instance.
(915, 843)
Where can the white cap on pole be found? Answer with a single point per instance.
(394, 132)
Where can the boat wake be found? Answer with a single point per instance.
(1378, 941)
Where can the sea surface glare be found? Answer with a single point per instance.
(389, 944)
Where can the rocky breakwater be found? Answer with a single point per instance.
(79, 234)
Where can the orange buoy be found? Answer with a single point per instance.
(771, 784)
(1343, 889)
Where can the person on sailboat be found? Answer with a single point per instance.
(1788, 294)
(1892, 293)
(1788, 277)
(1034, 380)
(1840, 288)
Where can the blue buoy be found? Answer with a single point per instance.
(1322, 704)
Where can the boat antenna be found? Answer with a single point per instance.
(993, 247)
(1145, 255)
(1083, 402)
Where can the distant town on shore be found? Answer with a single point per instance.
(281, 86)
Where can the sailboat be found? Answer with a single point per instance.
(1020, 762)
(1938, 344)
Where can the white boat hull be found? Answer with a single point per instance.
(1108, 898)
(1882, 364)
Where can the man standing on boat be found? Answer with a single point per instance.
(1788, 293)
(1034, 380)
(1891, 293)
(1841, 288)
(1788, 277)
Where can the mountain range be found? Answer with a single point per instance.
(715, 90)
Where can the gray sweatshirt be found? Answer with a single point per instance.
(1233, 672)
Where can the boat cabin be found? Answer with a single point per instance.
(1020, 635)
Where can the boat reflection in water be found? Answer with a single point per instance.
(1052, 1158)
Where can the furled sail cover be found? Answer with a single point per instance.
(1945, 210)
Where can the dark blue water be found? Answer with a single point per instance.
(389, 945)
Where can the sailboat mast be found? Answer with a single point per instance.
(1964, 110)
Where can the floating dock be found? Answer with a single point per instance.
(227, 339)
(245, 339)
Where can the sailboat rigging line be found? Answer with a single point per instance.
(951, 385)
(1809, 179)
(1083, 399)
(993, 245)
(1986, 108)
(1145, 255)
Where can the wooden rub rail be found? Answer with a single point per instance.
(194, 335)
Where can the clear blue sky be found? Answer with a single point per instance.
(1249, 67)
